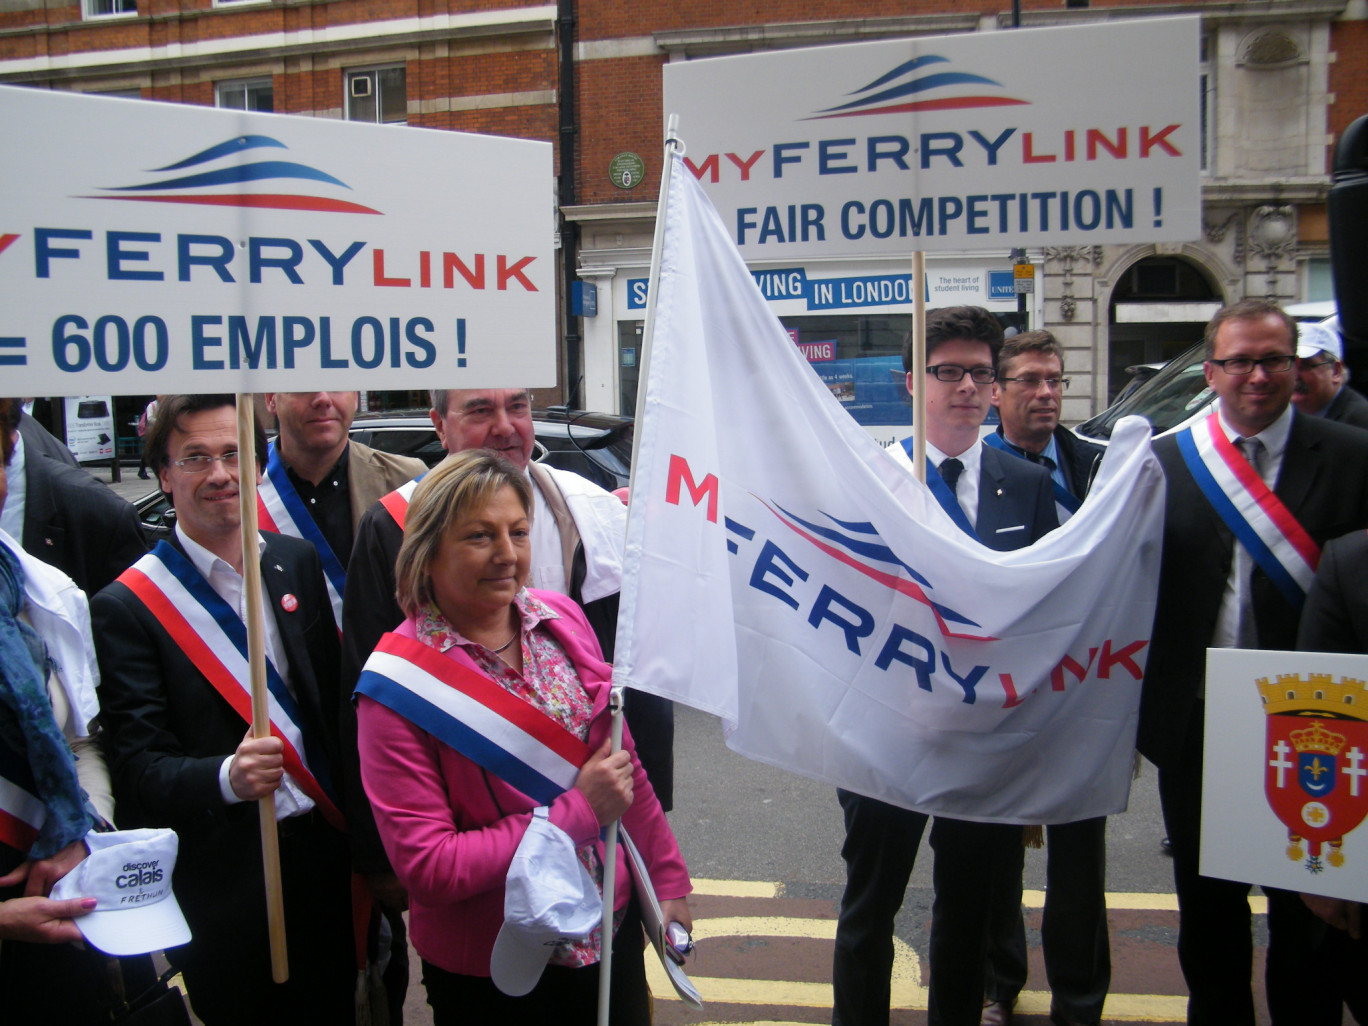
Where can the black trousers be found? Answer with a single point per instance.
(879, 851)
(563, 996)
(1073, 928)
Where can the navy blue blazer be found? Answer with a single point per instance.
(1016, 504)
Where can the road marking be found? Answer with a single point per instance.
(737, 888)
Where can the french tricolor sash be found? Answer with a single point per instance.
(1257, 517)
(1065, 502)
(21, 811)
(943, 494)
(209, 632)
(475, 716)
(397, 501)
(280, 509)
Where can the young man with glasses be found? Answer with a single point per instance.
(1322, 388)
(1005, 503)
(171, 639)
(1283, 484)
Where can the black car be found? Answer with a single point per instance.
(594, 445)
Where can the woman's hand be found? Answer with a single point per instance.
(42, 920)
(676, 910)
(606, 781)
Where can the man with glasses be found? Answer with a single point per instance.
(1322, 388)
(171, 638)
(1028, 393)
(1253, 491)
(1006, 504)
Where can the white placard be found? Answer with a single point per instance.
(90, 426)
(1285, 773)
(1057, 136)
(149, 247)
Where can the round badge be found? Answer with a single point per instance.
(289, 603)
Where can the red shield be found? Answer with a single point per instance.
(1316, 776)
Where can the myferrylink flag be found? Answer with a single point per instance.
(786, 574)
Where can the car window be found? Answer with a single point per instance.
(1176, 393)
(419, 442)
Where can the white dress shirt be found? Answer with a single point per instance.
(967, 488)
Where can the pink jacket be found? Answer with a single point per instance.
(451, 844)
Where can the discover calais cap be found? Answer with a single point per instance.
(128, 872)
(1318, 338)
(549, 898)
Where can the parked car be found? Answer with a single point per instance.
(595, 445)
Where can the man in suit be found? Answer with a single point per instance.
(66, 518)
(1256, 450)
(39, 439)
(1333, 943)
(1008, 504)
(1322, 387)
(318, 485)
(171, 639)
(1028, 394)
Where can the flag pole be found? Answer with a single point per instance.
(919, 365)
(256, 656)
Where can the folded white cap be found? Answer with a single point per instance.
(549, 899)
(128, 872)
(1313, 338)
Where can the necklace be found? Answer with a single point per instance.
(516, 634)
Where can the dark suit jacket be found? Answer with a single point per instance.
(1335, 617)
(77, 524)
(1324, 484)
(1348, 407)
(1078, 459)
(167, 731)
(1015, 502)
(39, 439)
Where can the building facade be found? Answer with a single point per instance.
(1280, 81)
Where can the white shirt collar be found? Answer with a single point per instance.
(1273, 437)
(205, 561)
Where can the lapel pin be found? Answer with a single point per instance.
(289, 603)
(280, 569)
(999, 491)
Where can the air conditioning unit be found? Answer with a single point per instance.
(360, 87)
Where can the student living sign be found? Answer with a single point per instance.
(158, 247)
(1060, 136)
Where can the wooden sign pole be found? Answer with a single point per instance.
(919, 365)
(256, 655)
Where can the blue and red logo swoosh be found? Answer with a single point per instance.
(912, 87)
(238, 165)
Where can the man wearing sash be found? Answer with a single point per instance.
(172, 646)
(1006, 504)
(1254, 490)
(1028, 394)
(317, 485)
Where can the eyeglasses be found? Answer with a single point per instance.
(1032, 384)
(954, 372)
(1307, 365)
(1241, 365)
(201, 464)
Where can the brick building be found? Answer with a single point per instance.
(1281, 79)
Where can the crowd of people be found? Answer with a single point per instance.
(439, 647)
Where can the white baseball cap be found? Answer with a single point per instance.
(128, 873)
(549, 899)
(1313, 338)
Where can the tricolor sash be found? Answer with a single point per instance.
(22, 812)
(1259, 520)
(397, 501)
(943, 494)
(280, 509)
(475, 716)
(1065, 502)
(209, 632)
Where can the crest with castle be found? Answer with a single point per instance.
(1317, 809)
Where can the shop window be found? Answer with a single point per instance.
(378, 95)
(109, 8)
(253, 94)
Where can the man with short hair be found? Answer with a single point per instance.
(1322, 386)
(1006, 504)
(578, 531)
(171, 637)
(1028, 394)
(1282, 483)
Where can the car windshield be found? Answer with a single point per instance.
(1166, 400)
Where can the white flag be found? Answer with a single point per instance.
(787, 574)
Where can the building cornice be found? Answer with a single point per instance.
(783, 35)
(334, 39)
(1261, 11)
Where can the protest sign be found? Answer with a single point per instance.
(1285, 771)
(149, 247)
(1079, 135)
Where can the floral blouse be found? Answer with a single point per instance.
(549, 682)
